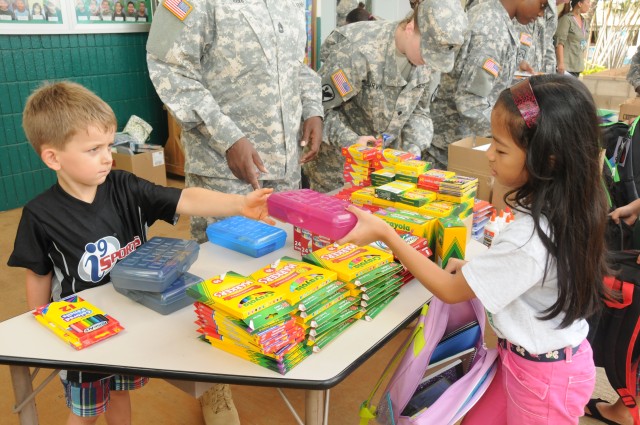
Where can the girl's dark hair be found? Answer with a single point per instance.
(574, 3)
(564, 167)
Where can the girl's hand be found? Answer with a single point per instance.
(368, 229)
(627, 213)
(560, 69)
(454, 265)
(363, 140)
(254, 205)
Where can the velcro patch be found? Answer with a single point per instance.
(526, 39)
(491, 67)
(180, 8)
(341, 83)
(327, 93)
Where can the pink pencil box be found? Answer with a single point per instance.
(313, 211)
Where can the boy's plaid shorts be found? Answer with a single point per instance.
(92, 398)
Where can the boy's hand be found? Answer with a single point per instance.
(254, 205)
(369, 228)
(627, 213)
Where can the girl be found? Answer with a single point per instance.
(572, 38)
(542, 275)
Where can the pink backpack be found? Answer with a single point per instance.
(437, 321)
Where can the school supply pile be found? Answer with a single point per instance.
(371, 275)
(418, 243)
(241, 316)
(247, 236)
(155, 274)
(76, 321)
(441, 370)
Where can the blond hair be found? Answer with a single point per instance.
(56, 112)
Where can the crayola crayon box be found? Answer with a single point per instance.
(242, 297)
(295, 279)
(77, 321)
(348, 260)
(451, 240)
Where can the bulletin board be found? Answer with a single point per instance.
(74, 16)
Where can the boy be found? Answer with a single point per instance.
(89, 214)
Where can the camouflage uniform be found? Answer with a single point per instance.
(633, 76)
(342, 10)
(483, 68)
(233, 69)
(539, 51)
(379, 98)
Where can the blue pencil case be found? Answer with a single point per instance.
(155, 265)
(250, 237)
(170, 300)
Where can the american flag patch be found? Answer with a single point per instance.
(526, 39)
(180, 8)
(491, 67)
(341, 83)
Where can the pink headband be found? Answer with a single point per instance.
(526, 102)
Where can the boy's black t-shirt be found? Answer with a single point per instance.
(81, 242)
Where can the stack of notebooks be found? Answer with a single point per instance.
(77, 321)
(251, 320)
(155, 276)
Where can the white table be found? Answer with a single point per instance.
(167, 347)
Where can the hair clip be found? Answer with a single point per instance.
(526, 102)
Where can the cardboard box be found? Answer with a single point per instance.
(147, 165)
(610, 87)
(629, 109)
(467, 157)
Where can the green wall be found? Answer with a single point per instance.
(112, 65)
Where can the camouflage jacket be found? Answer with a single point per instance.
(376, 98)
(234, 68)
(483, 68)
(633, 77)
(540, 53)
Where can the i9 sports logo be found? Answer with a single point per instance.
(101, 256)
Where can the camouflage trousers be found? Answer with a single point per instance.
(199, 224)
(325, 171)
(438, 152)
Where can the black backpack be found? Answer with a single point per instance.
(613, 333)
(622, 145)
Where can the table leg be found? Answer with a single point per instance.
(22, 389)
(313, 407)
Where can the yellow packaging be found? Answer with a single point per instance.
(470, 194)
(405, 221)
(295, 279)
(412, 167)
(238, 295)
(391, 191)
(382, 203)
(364, 196)
(348, 260)
(393, 156)
(359, 153)
(417, 197)
(440, 209)
(451, 240)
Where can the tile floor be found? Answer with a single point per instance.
(159, 403)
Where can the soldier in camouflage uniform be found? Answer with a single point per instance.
(484, 66)
(233, 75)
(633, 76)
(537, 52)
(374, 82)
(342, 10)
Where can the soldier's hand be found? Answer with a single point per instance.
(364, 140)
(312, 137)
(244, 162)
(524, 66)
(638, 90)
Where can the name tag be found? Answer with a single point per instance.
(53, 19)
(119, 18)
(82, 18)
(94, 18)
(131, 19)
(22, 18)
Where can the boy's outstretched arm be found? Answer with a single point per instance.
(629, 213)
(208, 203)
(38, 289)
(450, 288)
